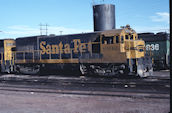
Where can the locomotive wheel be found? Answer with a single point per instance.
(83, 69)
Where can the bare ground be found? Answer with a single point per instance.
(30, 102)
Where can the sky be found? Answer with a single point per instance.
(19, 18)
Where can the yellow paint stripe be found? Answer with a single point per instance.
(52, 61)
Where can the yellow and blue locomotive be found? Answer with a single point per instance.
(107, 53)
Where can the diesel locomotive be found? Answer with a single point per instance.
(159, 46)
(105, 53)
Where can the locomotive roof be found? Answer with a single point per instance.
(113, 31)
(151, 33)
(6, 39)
(107, 32)
(118, 31)
(161, 36)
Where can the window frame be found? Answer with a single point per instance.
(117, 39)
(107, 39)
(127, 38)
(122, 39)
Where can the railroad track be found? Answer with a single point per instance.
(147, 85)
(92, 82)
(128, 94)
(88, 80)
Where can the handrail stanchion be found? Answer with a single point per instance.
(2, 58)
(24, 56)
(33, 56)
(60, 55)
(40, 57)
(50, 55)
(71, 54)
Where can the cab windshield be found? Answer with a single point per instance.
(107, 40)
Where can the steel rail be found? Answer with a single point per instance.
(127, 94)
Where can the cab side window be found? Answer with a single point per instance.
(131, 37)
(107, 40)
(122, 39)
(117, 39)
(126, 37)
(135, 38)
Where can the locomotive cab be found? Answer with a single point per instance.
(121, 53)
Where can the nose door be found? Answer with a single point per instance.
(7, 55)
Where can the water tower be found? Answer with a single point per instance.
(104, 17)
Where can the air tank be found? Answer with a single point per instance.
(104, 17)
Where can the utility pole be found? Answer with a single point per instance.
(60, 32)
(43, 29)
